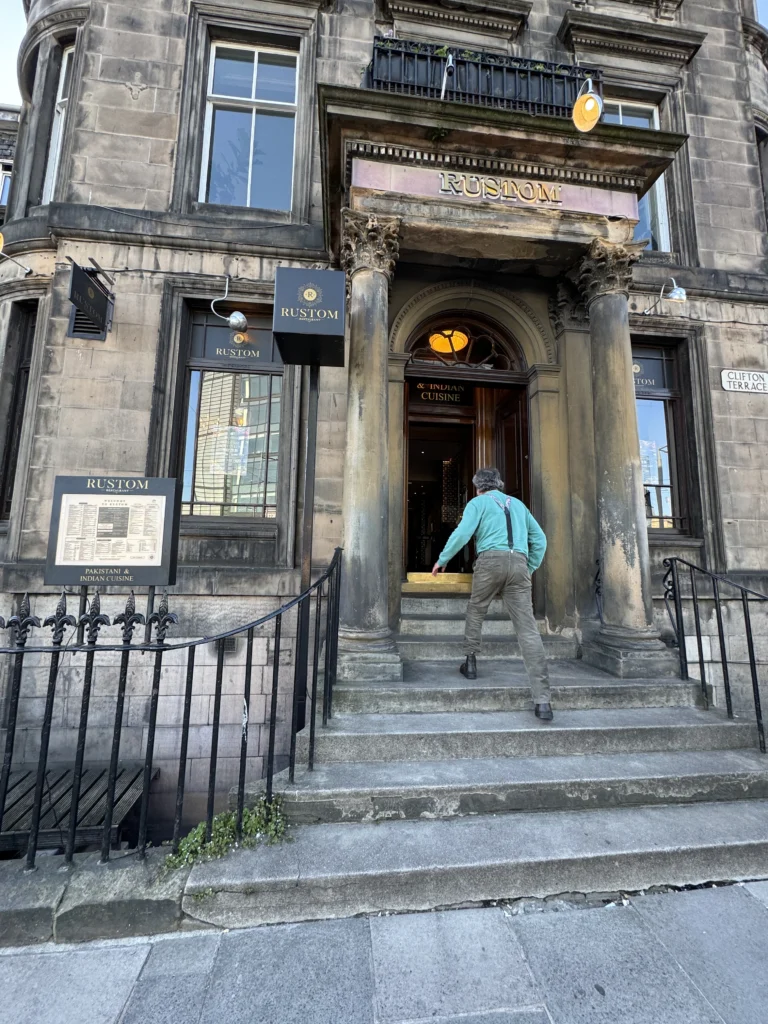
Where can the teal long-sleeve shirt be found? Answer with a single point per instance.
(486, 522)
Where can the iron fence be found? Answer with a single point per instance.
(703, 585)
(71, 804)
(483, 79)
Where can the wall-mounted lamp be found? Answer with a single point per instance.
(237, 321)
(675, 294)
(27, 270)
(587, 108)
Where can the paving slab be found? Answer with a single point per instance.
(293, 974)
(347, 869)
(446, 964)
(68, 987)
(28, 900)
(605, 967)
(759, 890)
(720, 938)
(124, 897)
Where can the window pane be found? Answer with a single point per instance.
(612, 113)
(638, 117)
(230, 151)
(189, 442)
(648, 369)
(233, 73)
(5, 188)
(66, 74)
(276, 78)
(645, 225)
(272, 173)
(654, 459)
(237, 445)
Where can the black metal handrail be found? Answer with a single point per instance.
(484, 79)
(673, 594)
(325, 590)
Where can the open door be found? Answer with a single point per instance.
(511, 435)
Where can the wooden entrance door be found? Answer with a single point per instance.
(511, 436)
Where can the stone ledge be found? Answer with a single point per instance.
(89, 901)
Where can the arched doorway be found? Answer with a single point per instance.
(465, 406)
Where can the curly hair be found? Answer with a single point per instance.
(488, 479)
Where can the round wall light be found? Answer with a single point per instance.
(448, 340)
(587, 108)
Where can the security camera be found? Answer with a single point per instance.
(237, 322)
(450, 67)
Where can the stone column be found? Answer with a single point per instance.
(627, 644)
(367, 649)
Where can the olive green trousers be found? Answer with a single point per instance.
(505, 574)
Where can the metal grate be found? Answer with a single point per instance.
(483, 79)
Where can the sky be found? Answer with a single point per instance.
(12, 26)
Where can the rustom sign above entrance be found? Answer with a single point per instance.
(487, 188)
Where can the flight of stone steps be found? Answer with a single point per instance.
(434, 791)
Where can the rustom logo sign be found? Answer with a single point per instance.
(308, 321)
(505, 190)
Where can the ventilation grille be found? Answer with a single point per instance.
(81, 326)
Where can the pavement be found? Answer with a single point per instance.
(693, 957)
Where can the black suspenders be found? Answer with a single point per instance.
(507, 513)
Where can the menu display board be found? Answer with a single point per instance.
(113, 531)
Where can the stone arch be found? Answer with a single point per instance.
(536, 342)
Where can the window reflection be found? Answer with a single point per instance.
(232, 444)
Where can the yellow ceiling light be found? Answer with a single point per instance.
(448, 340)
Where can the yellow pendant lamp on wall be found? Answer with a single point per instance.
(587, 108)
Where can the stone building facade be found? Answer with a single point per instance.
(504, 273)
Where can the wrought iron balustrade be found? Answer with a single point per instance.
(483, 79)
(683, 581)
(71, 801)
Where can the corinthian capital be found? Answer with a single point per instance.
(368, 244)
(607, 268)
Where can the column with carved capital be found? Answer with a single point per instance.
(627, 644)
(369, 251)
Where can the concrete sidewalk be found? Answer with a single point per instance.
(693, 957)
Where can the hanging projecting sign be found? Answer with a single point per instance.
(113, 531)
(308, 319)
(753, 382)
(91, 315)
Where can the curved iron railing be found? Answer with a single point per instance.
(105, 798)
(673, 599)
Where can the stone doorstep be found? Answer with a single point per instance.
(344, 870)
(89, 901)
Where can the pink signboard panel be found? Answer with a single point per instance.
(506, 192)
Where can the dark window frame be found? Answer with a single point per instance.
(677, 435)
(14, 391)
(196, 363)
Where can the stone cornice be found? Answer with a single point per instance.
(488, 165)
(623, 37)
(665, 9)
(507, 17)
(756, 37)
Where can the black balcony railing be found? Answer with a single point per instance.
(483, 79)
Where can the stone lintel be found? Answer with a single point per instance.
(505, 18)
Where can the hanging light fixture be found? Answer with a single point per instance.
(587, 108)
(448, 340)
(675, 294)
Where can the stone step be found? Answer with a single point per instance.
(487, 734)
(448, 648)
(503, 686)
(381, 790)
(340, 870)
(453, 626)
(452, 605)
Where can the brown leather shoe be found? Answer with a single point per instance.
(544, 712)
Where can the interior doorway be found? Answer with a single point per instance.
(453, 427)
